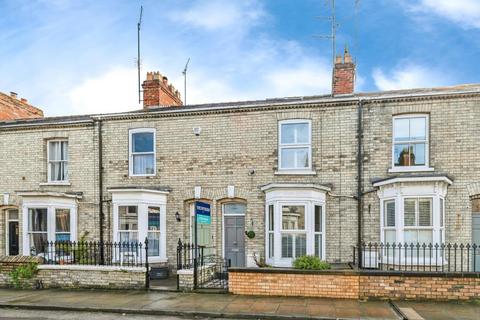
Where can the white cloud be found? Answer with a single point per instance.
(220, 15)
(409, 76)
(113, 91)
(232, 58)
(466, 13)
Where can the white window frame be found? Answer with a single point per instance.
(399, 189)
(131, 132)
(129, 231)
(295, 195)
(306, 170)
(295, 232)
(49, 162)
(425, 167)
(50, 204)
(142, 198)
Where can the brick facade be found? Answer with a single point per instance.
(237, 140)
(12, 108)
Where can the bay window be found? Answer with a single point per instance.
(140, 214)
(142, 152)
(294, 149)
(47, 219)
(413, 211)
(295, 222)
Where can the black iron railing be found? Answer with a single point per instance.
(426, 257)
(126, 254)
(209, 270)
(186, 253)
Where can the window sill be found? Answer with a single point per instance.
(410, 169)
(63, 183)
(141, 175)
(157, 260)
(295, 172)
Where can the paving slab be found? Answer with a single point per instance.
(196, 304)
(440, 310)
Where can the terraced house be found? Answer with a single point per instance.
(308, 175)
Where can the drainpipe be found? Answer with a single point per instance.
(100, 188)
(359, 179)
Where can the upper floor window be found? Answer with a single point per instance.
(57, 161)
(295, 150)
(142, 152)
(410, 141)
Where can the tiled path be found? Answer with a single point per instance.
(226, 305)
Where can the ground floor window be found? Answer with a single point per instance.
(140, 214)
(294, 223)
(47, 223)
(135, 223)
(412, 218)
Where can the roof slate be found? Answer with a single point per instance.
(327, 98)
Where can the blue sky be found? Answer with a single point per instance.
(75, 57)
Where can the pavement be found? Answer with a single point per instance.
(208, 305)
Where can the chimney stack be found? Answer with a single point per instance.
(157, 92)
(343, 75)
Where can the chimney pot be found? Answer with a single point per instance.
(13, 94)
(165, 80)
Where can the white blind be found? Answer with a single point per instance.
(409, 212)
(424, 212)
(389, 214)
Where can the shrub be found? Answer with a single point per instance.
(20, 274)
(310, 263)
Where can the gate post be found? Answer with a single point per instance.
(195, 273)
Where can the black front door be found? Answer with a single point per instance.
(13, 247)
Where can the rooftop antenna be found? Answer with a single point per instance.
(184, 72)
(333, 32)
(139, 24)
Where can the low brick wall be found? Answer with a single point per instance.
(353, 284)
(424, 286)
(291, 282)
(73, 276)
